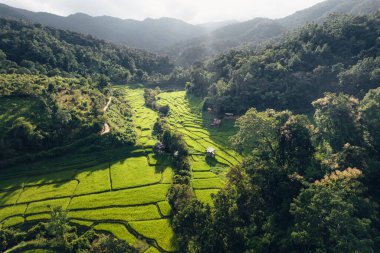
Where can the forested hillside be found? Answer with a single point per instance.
(55, 85)
(340, 55)
(40, 113)
(35, 49)
(257, 30)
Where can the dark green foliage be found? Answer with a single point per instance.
(150, 97)
(339, 120)
(360, 78)
(295, 145)
(10, 238)
(40, 113)
(293, 192)
(292, 73)
(333, 216)
(164, 110)
(370, 109)
(58, 226)
(192, 226)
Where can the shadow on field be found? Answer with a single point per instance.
(54, 172)
(219, 134)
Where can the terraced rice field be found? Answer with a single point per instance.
(123, 191)
(122, 194)
(187, 118)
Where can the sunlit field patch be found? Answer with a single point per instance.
(135, 196)
(38, 217)
(81, 222)
(119, 230)
(207, 183)
(47, 206)
(164, 208)
(9, 197)
(143, 212)
(49, 191)
(205, 195)
(205, 174)
(132, 172)
(159, 230)
(13, 221)
(93, 180)
(9, 211)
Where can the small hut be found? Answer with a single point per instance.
(216, 122)
(229, 115)
(210, 151)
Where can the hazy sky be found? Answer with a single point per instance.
(193, 11)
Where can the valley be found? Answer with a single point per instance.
(123, 192)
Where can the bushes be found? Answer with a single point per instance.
(59, 235)
(150, 97)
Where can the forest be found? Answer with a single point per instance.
(36, 49)
(340, 55)
(268, 149)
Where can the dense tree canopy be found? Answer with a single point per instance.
(340, 55)
(303, 187)
(34, 49)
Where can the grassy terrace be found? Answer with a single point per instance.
(187, 118)
(121, 191)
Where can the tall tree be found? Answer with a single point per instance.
(338, 120)
(333, 215)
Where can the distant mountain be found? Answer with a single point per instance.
(259, 29)
(151, 34)
(319, 12)
(210, 26)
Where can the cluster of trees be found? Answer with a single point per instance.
(180, 192)
(60, 236)
(340, 55)
(34, 49)
(150, 97)
(303, 187)
(40, 113)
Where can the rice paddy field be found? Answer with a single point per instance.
(122, 191)
(187, 118)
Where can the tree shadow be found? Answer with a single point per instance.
(211, 161)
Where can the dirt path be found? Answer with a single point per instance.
(106, 128)
(107, 105)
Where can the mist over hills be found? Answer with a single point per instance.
(186, 43)
(257, 30)
(150, 34)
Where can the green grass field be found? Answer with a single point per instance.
(119, 230)
(122, 191)
(187, 118)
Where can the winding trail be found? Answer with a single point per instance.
(106, 128)
(107, 105)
